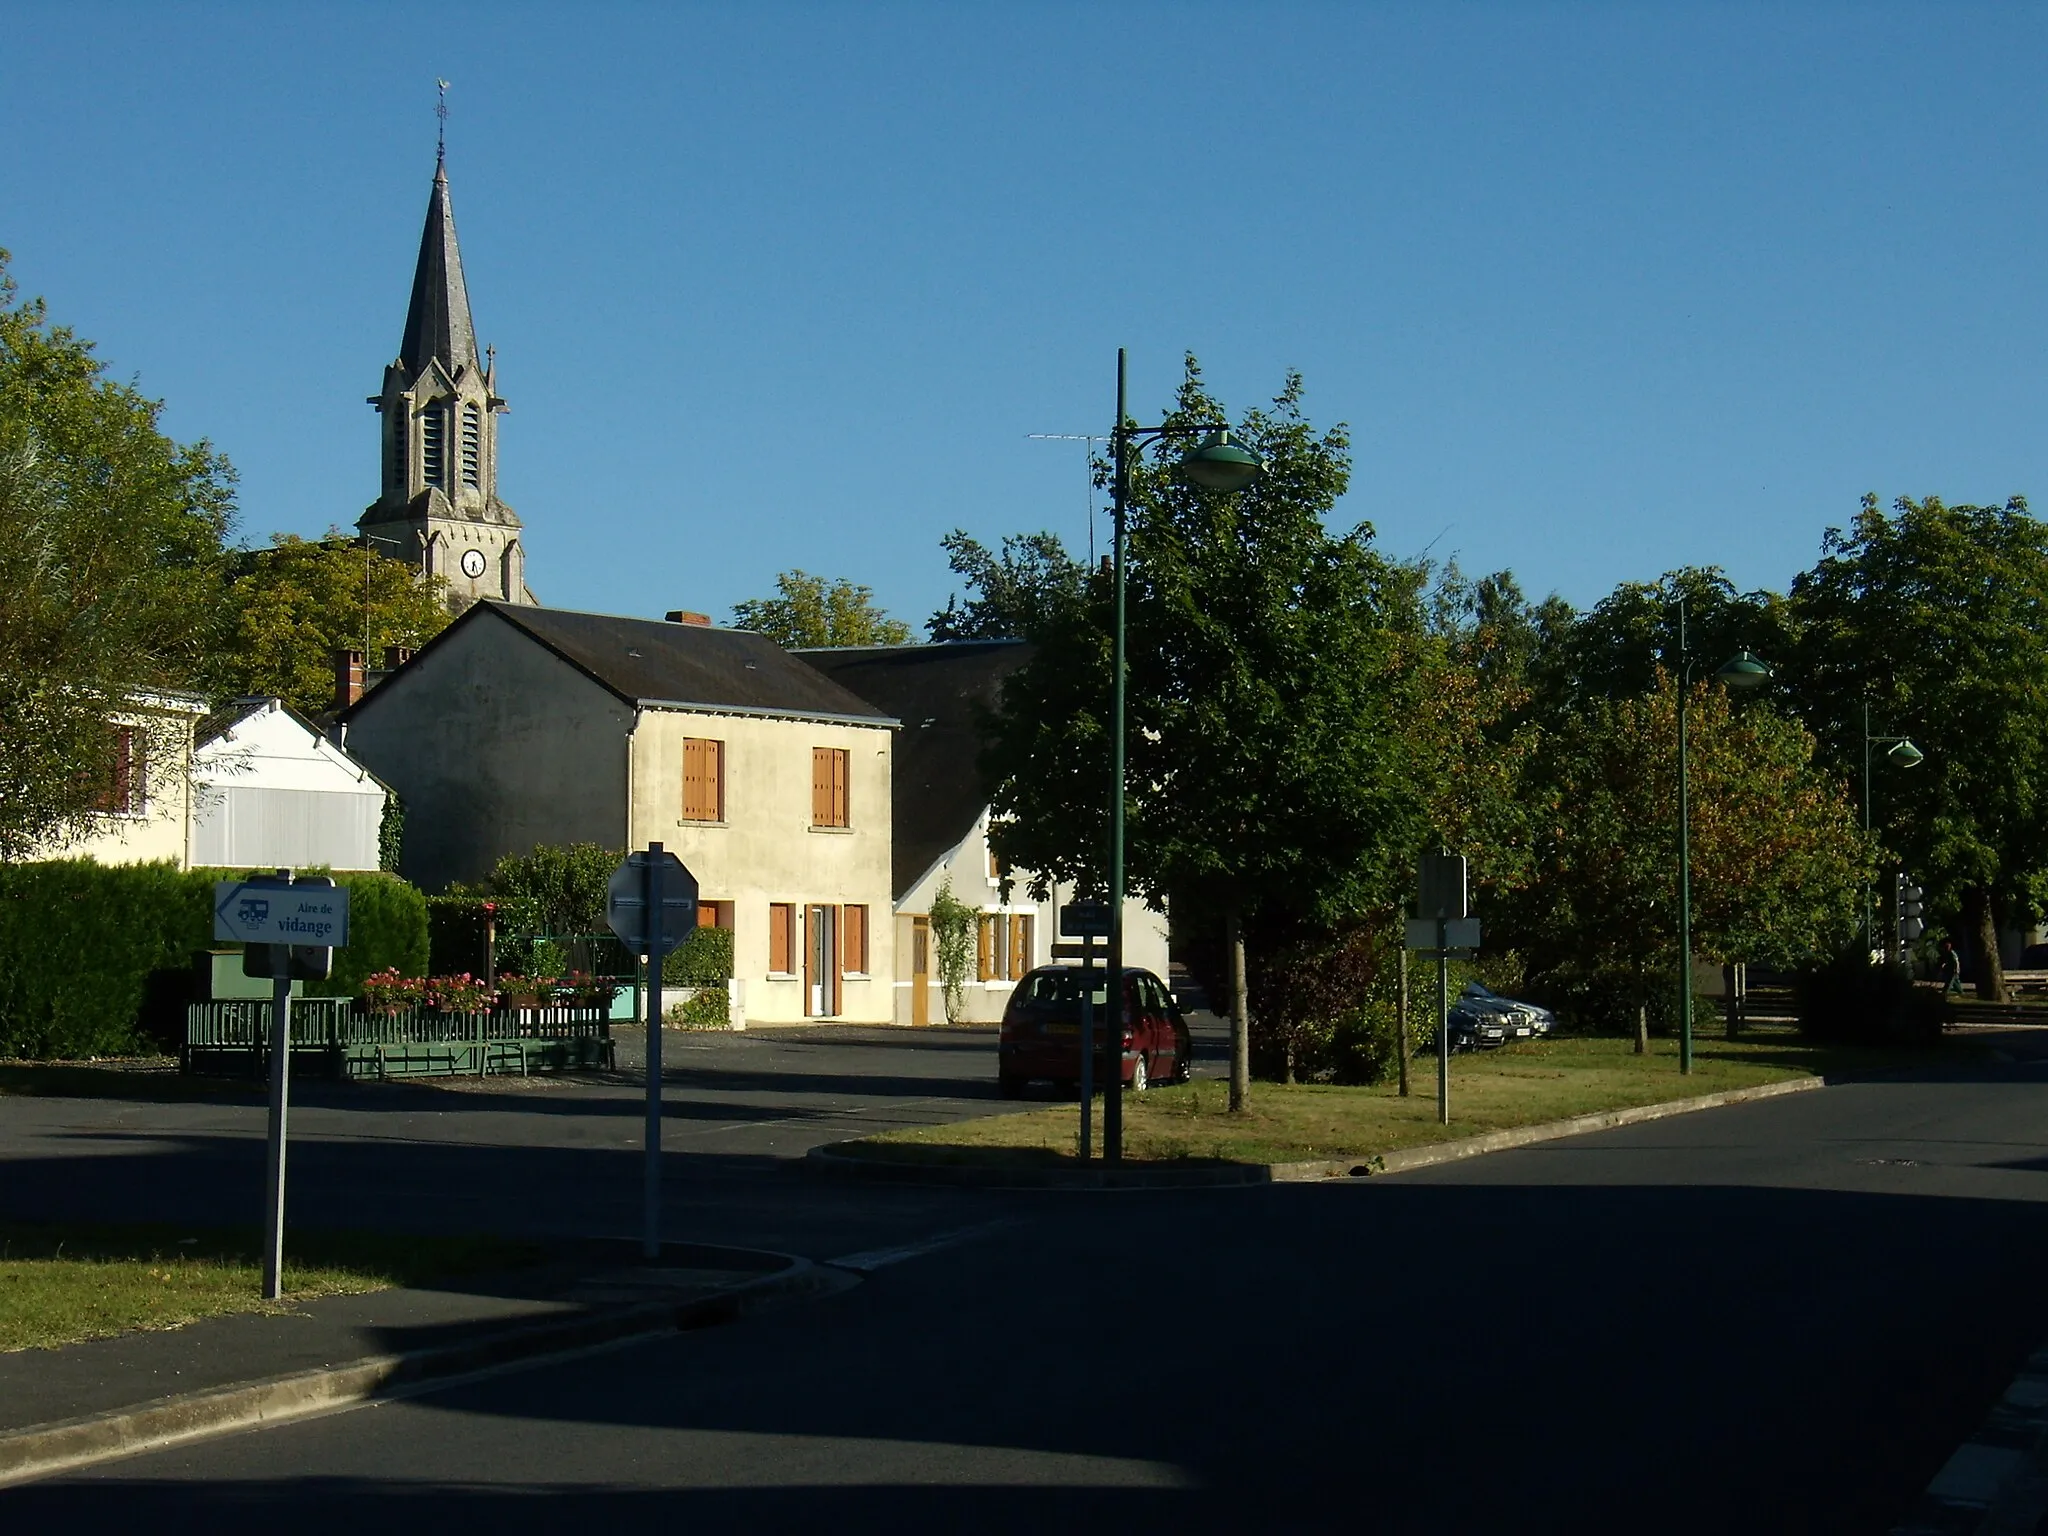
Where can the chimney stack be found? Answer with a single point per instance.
(396, 656)
(684, 616)
(348, 678)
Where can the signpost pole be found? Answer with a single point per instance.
(1087, 1046)
(650, 1215)
(1443, 1022)
(280, 1105)
(1401, 1020)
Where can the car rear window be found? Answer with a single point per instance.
(1058, 991)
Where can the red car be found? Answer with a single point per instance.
(1041, 1035)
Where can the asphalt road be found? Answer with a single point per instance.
(1776, 1317)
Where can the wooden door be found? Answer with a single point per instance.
(920, 970)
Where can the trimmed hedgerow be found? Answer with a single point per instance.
(82, 944)
(78, 943)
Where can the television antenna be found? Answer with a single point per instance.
(1089, 463)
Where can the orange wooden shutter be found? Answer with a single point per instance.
(1020, 944)
(839, 816)
(985, 931)
(821, 786)
(778, 938)
(714, 778)
(854, 923)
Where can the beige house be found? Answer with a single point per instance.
(147, 814)
(940, 692)
(520, 726)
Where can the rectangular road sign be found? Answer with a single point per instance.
(1084, 919)
(1459, 933)
(252, 912)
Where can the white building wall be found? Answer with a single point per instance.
(271, 793)
(967, 866)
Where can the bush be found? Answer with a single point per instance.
(568, 886)
(78, 944)
(704, 959)
(457, 940)
(706, 1008)
(1849, 1001)
(387, 926)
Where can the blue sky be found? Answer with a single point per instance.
(1600, 289)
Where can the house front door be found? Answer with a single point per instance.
(821, 962)
(920, 970)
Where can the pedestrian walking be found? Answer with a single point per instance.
(1951, 970)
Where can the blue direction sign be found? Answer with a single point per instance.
(265, 912)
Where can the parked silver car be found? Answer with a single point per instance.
(1522, 1021)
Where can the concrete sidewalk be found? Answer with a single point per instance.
(81, 1403)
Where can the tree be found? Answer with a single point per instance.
(570, 887)
(1777, 857)
(811, 611)
(110, 571)
(297, 603)
(1268, 781)
(1016, 595)
(952, 923)
(1933, 615)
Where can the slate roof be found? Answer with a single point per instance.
(940, 693)
(654, 662)
(437, 322)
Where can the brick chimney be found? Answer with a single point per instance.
(348, 678)
(396, 656)
(684, 616)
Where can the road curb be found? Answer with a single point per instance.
(67, 1444)
(1996, 1483)
(831, 1162)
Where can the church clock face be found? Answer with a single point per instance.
(472, 563)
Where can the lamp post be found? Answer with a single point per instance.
(1218, 464)
(1741, 670)
(1900, 749)
(369, 560)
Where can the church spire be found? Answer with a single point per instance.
(437, 323)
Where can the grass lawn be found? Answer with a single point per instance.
(1522, 1084)
(63, 1283)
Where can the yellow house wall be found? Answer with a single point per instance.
(164, 829)
(767, 851)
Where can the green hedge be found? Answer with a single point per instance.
(704, 959)
(78, 943)
(83, 945)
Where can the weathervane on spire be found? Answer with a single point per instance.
(441, 111)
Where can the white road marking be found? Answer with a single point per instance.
(879, 1258)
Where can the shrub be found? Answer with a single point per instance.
(953, 934)
(387, 925)
(1849, 1001)
(706, 1008)
(568, 886)
(704, 959)
(78, 944)
(458, 937)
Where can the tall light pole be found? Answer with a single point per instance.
(1741, 670)
(1218, 464)
(369, 559)
(1901, 751)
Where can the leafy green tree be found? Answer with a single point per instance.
(1032, 584)
(1268, 782)
(812, 611)
(1934, 614)
(569, 887)
(1777, 855)
(953, 932)
(110, 569)
(297, 603)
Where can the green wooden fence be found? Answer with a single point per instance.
(338, 1038)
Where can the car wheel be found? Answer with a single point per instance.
(1140, 1078)
(1009, 1087)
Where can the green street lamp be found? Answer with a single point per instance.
(1217, 463)
(1739, 671)
(1900, 750)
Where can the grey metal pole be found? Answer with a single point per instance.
(1684, 868)
(1401, 1018)
(280, 1105)
(1112, 1091)
(650, 1210)
(1868, 921)
(1443, 1024)
(1087, 1046)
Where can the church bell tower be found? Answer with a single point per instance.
(439, 412)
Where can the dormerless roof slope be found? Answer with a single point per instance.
(649, 662)
(940, 693)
